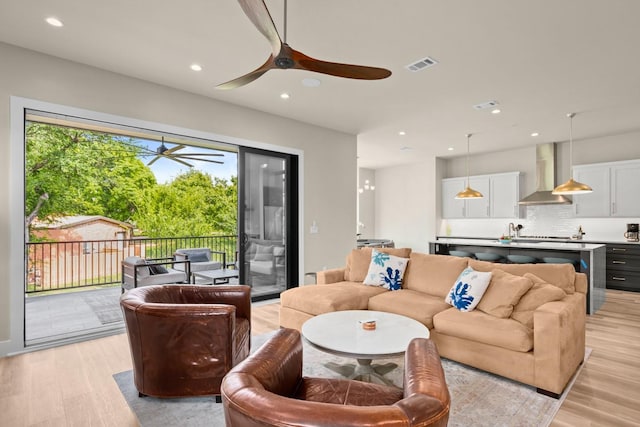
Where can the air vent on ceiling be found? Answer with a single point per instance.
(421, 64)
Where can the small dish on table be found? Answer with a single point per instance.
(504, 240)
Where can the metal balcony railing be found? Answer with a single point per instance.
(66, 265)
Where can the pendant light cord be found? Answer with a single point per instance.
(468, 137)
(570, 115)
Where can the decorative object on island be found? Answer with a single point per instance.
(571, 186)
(469, 193)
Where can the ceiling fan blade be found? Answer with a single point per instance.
(197, 154)
(304, 62)
(172, 149)
(155, 159)
(197, 159)
(257, 12)
(179, 161)
(249, 77)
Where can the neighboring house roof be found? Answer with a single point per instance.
(75, 220)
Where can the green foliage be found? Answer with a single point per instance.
(193, 204)
(91, 173)
(82, 172)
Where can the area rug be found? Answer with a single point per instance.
(477, 397)
(106, 307)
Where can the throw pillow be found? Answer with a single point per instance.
(468, 289)
(539, 294)
(157, 269)
(263, 253)
(503, 293)
(198, 257)
(359, 259)
(386, 270)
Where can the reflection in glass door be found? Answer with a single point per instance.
(268, 222)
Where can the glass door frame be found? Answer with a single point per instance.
(291, 214)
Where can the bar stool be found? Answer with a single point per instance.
(521, 259)
(462, 254)
(489, 257)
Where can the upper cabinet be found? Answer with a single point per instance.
(501, 194)
(613, 187)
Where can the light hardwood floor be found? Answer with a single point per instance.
(73, 385)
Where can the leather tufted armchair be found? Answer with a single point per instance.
(185, 338)
(268, 389)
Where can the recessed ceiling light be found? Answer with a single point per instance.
(54, 22)
(311, 82)
(406, 148)
(402, 133)
(196, 67)
(495, 111)
(534, 134)
(450, 148)
(284, 95)
(264, 166)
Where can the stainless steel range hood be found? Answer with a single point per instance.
(545, 178)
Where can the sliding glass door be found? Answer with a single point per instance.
(268, 221)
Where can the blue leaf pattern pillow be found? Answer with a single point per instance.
(386, 270)
(468, 289)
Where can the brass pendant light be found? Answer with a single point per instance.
(571, 186)
(469, 193)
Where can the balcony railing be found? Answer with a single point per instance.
(65, 265)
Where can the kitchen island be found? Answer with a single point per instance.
(588, 258)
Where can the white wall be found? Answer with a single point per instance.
(406, 200)
(366, 204)
(330, 199)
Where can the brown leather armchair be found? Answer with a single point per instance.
(268, 389)
(185, 338)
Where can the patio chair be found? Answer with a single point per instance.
(138, 272)
(200, 259)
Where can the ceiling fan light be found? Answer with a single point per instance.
(572, 187)
(469, 193)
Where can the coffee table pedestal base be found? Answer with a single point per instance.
(364, 371)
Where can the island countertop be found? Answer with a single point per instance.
(572, 246)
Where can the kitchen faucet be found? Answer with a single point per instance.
(514, 231)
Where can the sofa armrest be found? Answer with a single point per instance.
(559, 341)
(581, 283)
(330, 276)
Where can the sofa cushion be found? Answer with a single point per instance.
(416, 305)
(386, 270)
(315, 299)
(560, 275)
(263, 253)
(483, 328)
(433, 274)
(198, 257)
(158, 269)
(503, 293)
(359, 259)
(541, 293)
(468, 289)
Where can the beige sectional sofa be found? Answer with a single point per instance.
(531, 327)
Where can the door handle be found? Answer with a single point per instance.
(621, 279)
(618, 262)
(618, 249)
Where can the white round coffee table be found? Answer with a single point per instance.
(341, 333)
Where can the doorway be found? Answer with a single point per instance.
(268, 221)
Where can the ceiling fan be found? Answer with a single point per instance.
(172, 154)
(284, 57)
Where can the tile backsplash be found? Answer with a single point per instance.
(545, 220)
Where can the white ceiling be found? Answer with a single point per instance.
(539, 59)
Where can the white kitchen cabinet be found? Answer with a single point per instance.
(452, 207)
(598, 203)
(613, 187)
(505, 193)
(501, 194)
